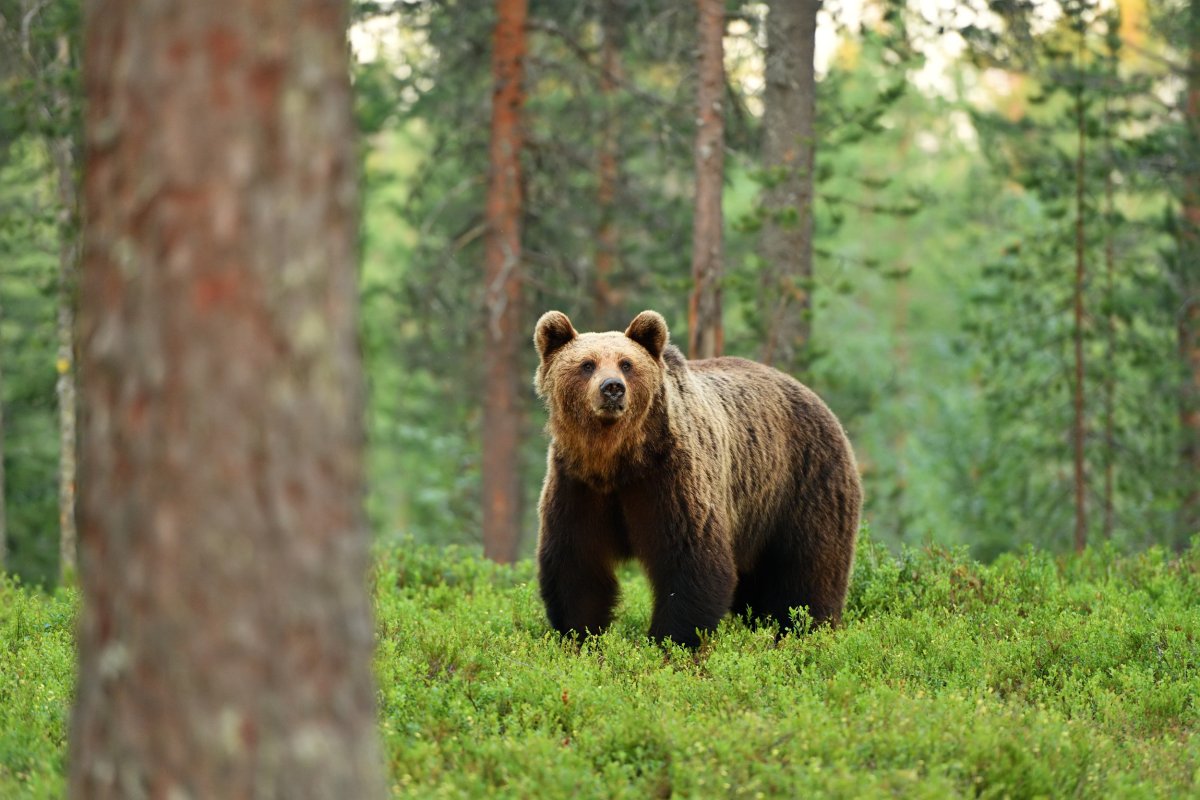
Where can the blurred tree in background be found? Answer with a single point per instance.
(706, 332)
(788, 155)
(502, 292)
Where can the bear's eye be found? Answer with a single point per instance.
(588, 367)
(626, 365)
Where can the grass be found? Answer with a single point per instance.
(1035, 676)
(37, 676)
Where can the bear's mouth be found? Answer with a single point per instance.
(609, 410)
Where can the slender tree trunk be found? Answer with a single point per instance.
(62, 152)
(226, 637)
(1110, 329)
(504, 379)
(1078, 426)
(604, 296)
(706, 337)
(3, 494)
(1189, 284)
(789, 150)
(902, 359)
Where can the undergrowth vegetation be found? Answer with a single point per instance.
(1033, 676)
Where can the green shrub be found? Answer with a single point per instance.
(1036, 676)
(37, 674)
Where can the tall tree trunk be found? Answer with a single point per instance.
(1110, 328)
(62, 151)
(1078, 424)
(3, 494)
(706, 337)
(789, 149)
(503, 378)
(604, 296)
(1189, 285)
(64, 154)
(226, 637)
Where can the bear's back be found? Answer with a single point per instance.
(772, 440)
(755, 399)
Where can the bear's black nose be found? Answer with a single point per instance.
(612, 388)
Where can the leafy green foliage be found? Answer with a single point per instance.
(944, 243)
(1033, 676)
(39, 105)
(28, 269)
(424, 233)
(1019, 323)
(942, 252)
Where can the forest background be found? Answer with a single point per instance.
(1003, 301)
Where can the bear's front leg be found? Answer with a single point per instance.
(693, 586)
(577, 549)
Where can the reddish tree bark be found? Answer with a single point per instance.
(605, 300)
(504, 381)
(1189, 283)
(706, 337)
(225, 643)
(789, 150)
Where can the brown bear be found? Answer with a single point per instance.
(732, 483)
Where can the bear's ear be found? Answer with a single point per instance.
(649, 330)
(552, 332)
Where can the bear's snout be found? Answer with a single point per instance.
(609, 398)
(613, 389)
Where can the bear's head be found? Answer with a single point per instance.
(599, 387)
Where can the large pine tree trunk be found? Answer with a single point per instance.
(789, 148)
(706, 337)
(1189, 283)
(226, 636)
(504, 380)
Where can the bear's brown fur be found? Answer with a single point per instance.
(732, 483)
